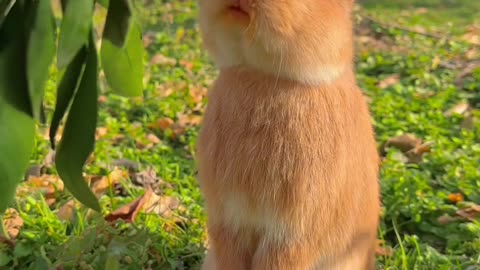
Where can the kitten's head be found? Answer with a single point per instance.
(309, 41)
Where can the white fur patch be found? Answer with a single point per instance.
(238, 213)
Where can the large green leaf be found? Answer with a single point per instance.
(66, 90)
(40, 51)
(103, 2)
(76, 24)
(123, 67)
(78, 137)
(16, 125)
(118, 22)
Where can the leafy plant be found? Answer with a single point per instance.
(29, 44)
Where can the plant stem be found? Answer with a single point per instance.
(3, 231)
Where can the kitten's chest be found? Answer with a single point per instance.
(266, 142)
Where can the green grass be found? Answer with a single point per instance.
(437, 15)
(414, 195)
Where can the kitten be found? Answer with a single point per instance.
(287, 157)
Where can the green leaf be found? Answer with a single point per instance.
(103, 2)
(66, 90)
(23, 249)
(78, 137)
(40, 52)
(123, 67)
(74, 31)
(4, 258)
(112, 262)
(118, 22)
(16, 125)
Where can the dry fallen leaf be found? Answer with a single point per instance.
(164, 123)
(187, 65)
(469, 213)
(413, 148)
(102, 99)
(382, 250)
(189, 120)
(160, 59)
(473, 34)
(46, 184)
(12, 222)
(130, 211)
(100, 132)
(404, 143)
(147, 39)
(460, 108)
(466, 71)
(101, 184)
(152, 138)
(161, 205)
(389, 81)
(197, 93)
(66, 211)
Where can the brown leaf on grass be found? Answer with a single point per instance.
(12, 222)
(66, 211)
(186, 64)
(46, 184)
(470, 213)
(472, 34)
(404, 143)
(446, 219)
(166, 89)
(164, 123)
(197, 93)
(147, 39)
(149, 178)
(160, 59)
(460, 109)
(382, 250)
(103, 183)
(472, 54)
(412, 147)
(466, 71)
(152, 138)
(130, 211)
(161, 205)
(102, 99)
(389, 81)
(100, 132)
(189, 120)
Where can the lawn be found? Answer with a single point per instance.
(419, 66)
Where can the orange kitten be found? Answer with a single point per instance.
(287, 157)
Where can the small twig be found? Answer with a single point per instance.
(387, 26)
